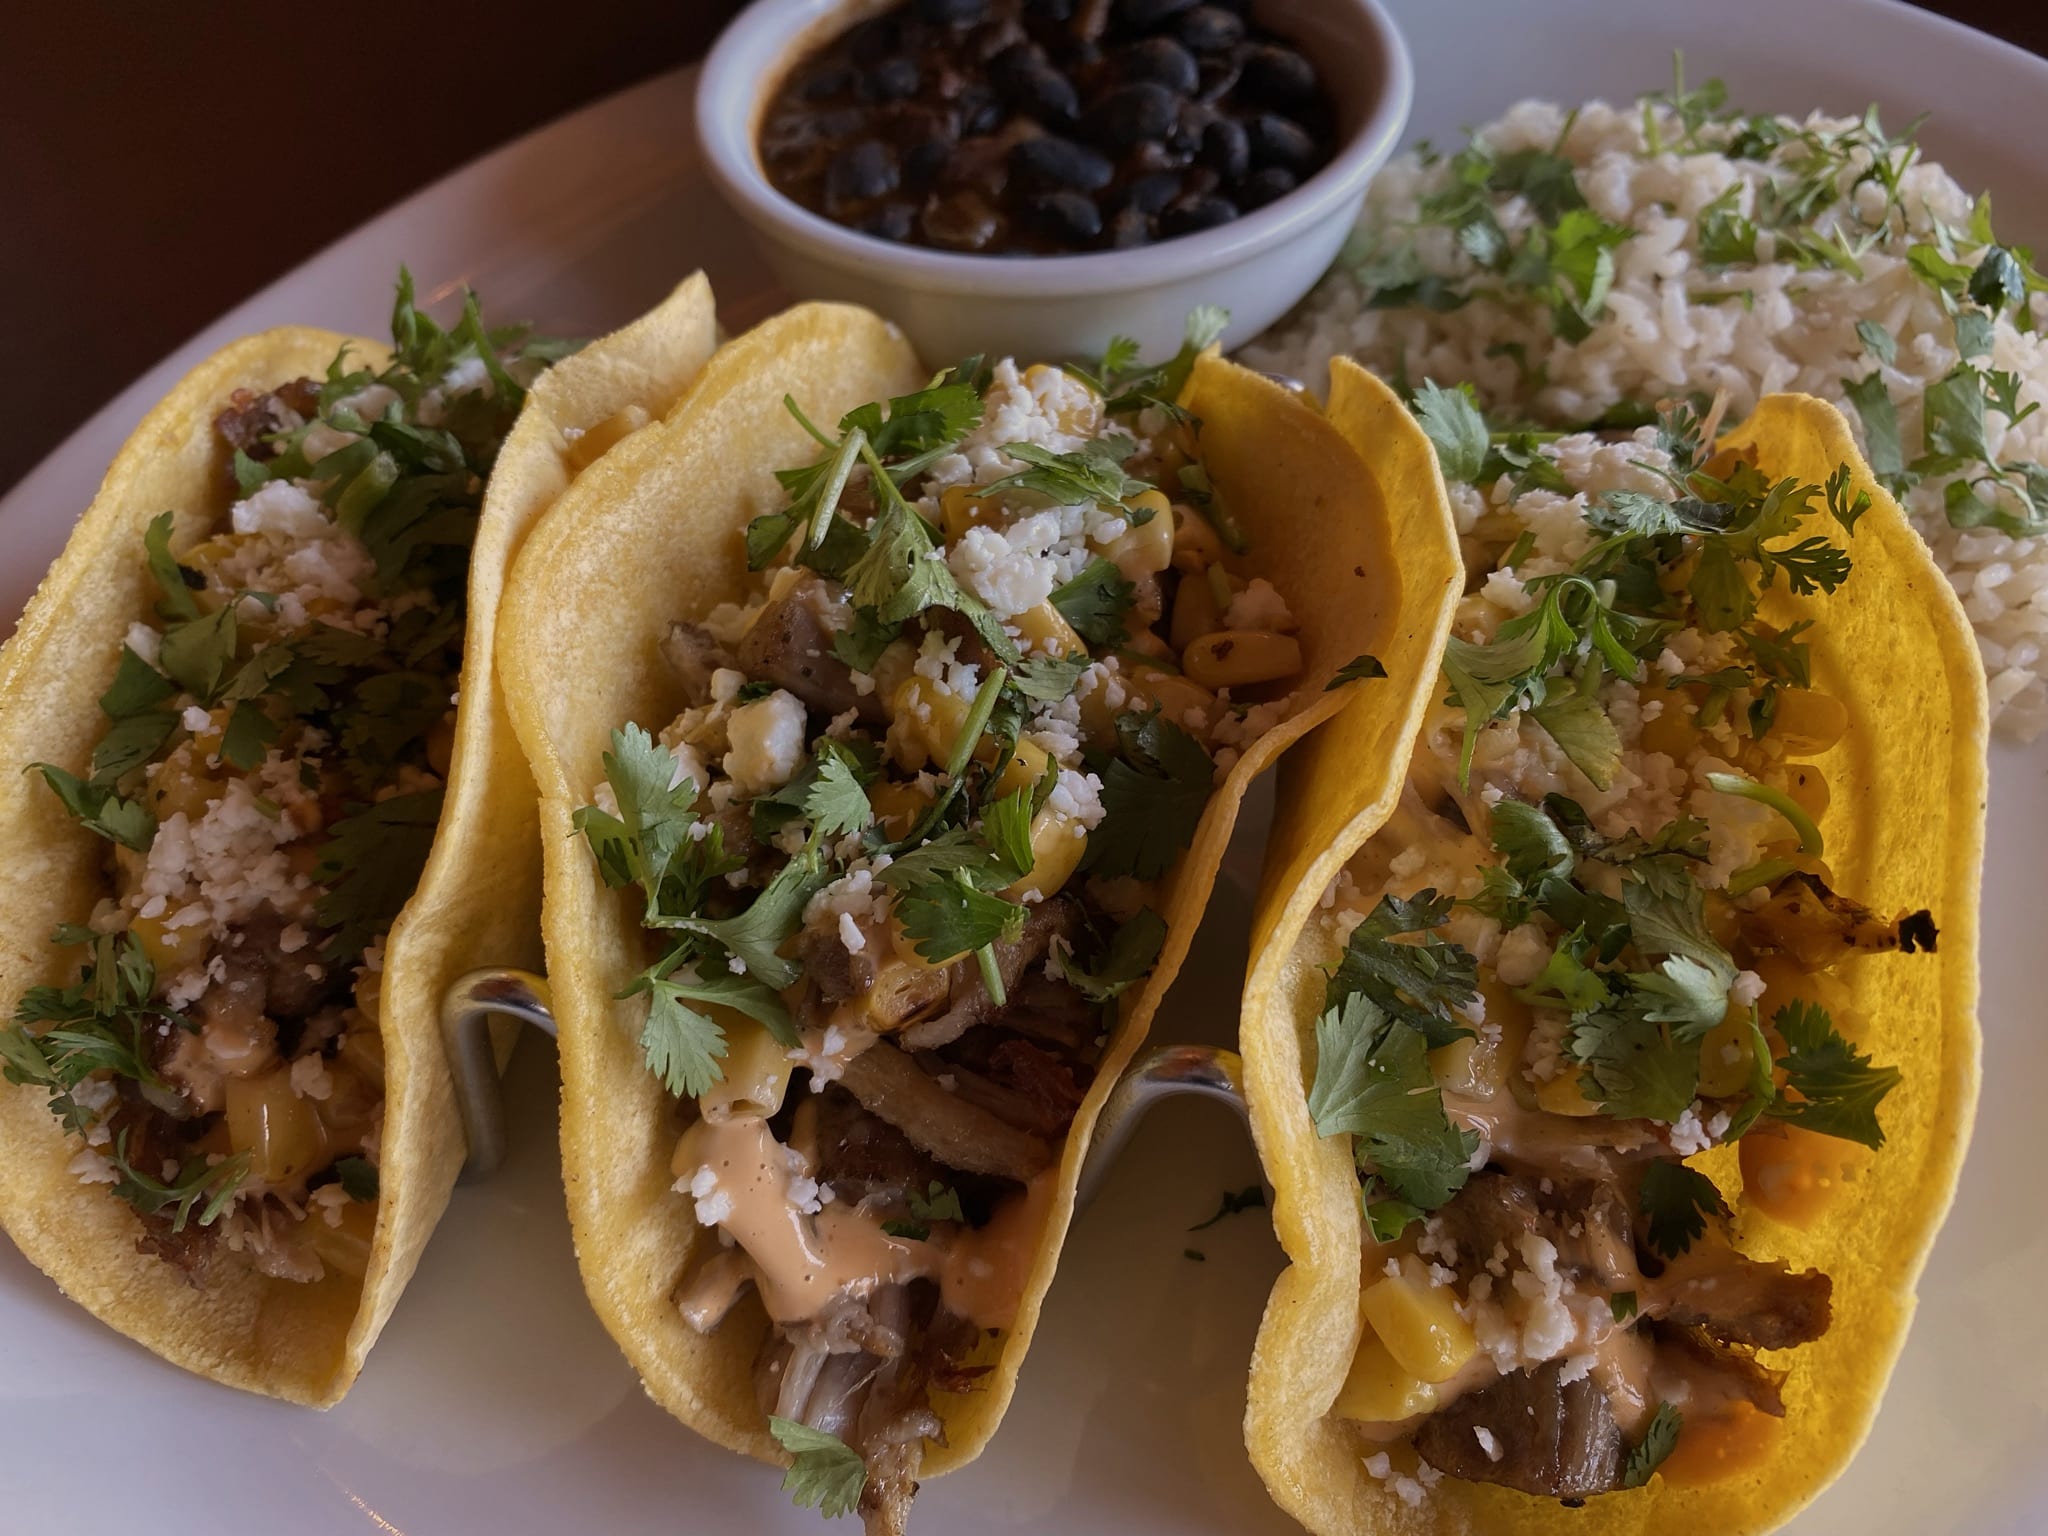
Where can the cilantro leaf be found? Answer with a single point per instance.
(1838, 1086)
(369, 867)
(757, 934)
(358, 1177)
(1878, 342)
(1251, 1198)
(825, 1473)
(1450, 419)
(1128, 960)
(1634, 1069)
(683, 1047)
(1358, 669)
(173, 580)
(1582, 731)
(196, 653)
(1373, 1082)
(1387, 1218)
(746, 994)
(1658, 1441)
(1095, 602)
(1048, 679)
(1881, 442)
(951, 915)
(837, 803)
(98, 809)
(1094, 473)
(1677, 1201)
(1153, 798)
(1419, 984)
(197, 1178)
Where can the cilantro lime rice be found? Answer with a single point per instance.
(1574, 267)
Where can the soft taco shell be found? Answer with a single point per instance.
(652, 535)
(477, 901)
(1904, 829)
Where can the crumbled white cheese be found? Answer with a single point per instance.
(1259, 606)
(850, 934)
(1487, 1442)
(767, 742)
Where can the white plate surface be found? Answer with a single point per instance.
(495, 1402)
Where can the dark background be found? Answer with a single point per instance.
(158, 163)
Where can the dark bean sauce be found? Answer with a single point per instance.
(1045, 127)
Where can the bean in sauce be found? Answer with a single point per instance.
(1042, 127)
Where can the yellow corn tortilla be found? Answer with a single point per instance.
(652, 535)
(477, 902)
(1904, 830)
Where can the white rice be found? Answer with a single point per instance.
(1654, 339)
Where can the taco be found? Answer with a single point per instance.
(237, 789)
(1614, 1081)
(889, 729)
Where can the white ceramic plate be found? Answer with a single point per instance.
(495, 1402)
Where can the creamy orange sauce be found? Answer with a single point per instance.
(1793, 1175)
(800, 1261)
(1709, 1449)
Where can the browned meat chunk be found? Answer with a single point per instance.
(970, 1003)
(1053, 1013)
(1549, 1438)
(835, 973)
(864, 1157)
(1740, 1300)
(960, 1135)
(1586, 1220)
(252, 419)
(693, 656)
(1700, 1376)
(790, 645)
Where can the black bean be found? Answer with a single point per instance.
(1147, 15)
(979, 110)
(1162, 61)
(1129, 228)
(1033, 87)
(923, 162)
(1131, 114)
(1193, 214)
(834, 80)
(891, 80)
(1058, 164)
(1066, 216)
(1048, 10)
(1225, 149)
(874, 40)
(1211, 29)
(1149, 194)
(951, 13)
(1276, 76)
(859, 172)
(1261, 187)
(1276, 141)
(892, 221)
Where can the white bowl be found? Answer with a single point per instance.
(952, 305)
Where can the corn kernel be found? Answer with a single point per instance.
(1378, 1391)
(960, 509)
(754, 1074)
(1143, 549)
(345, 1246)
(1195, 544)
(1057, 843)
(1727, 1054)
(1176, 696)
(897, 805)
(280, 1131)
(1808, 787)
(1809, 722)
(1563, 1096)
(1047, 632)
(1673, 732)
(1195, 613)
(1420, 1327)
(1241, 658)
(1027, 765)
(927, 723)
(165, 946)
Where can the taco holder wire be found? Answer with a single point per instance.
(475, 1000)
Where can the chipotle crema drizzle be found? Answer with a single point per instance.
(1046, 127)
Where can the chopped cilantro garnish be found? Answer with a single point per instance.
(1128, 959)
(1095, 603)
(825, 1473)
(1419, 983)
(1677, 1200)
(1838, 1088)
(196, 1179)
(1358, 669)
(62, 1035)
(369, 866)
(358, 1176)
(1153, 796)
(1251, 1198)
(1373, 1083)
(1657, 1443)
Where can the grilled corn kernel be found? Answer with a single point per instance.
(345, 1246)
(1673, 732)
(1563, 1096)
(1378, 1391)
(1027, 765)
(206, 743)
(892, 668)
(166, 946)
(1176, 696)
(927, 723)
(181, 785)
(1727, 1054)
(1195, 613)
(1241, 658)
(1143, 549)
(1808, 721)
(599, 440)
(1195, 543)
(1045, 631)
(754, 1074)
(1793, 1175)
(1057, 843)
(1419, 1326)
(960, 509)
(280, 1131)
(897, 804)
(1808, 787)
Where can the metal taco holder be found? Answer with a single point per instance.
(1161, 1073)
